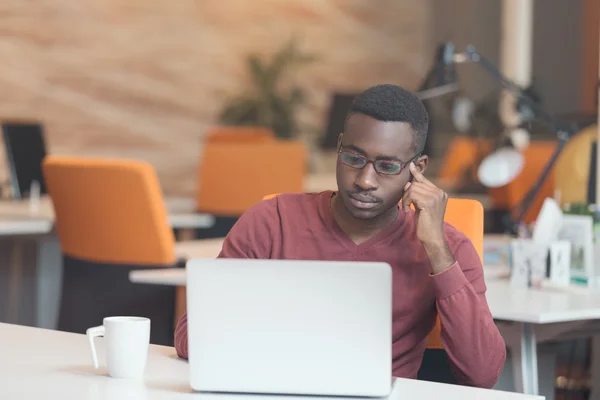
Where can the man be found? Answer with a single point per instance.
(436, 270)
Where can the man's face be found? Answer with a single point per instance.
(365, 192)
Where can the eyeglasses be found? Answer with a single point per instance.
(382, 167)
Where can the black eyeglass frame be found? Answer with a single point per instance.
(374, 162)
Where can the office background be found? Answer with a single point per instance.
(145, 79)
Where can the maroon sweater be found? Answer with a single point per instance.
(302, 226)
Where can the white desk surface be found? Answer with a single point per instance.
(16, 217)
(45, 364)
(159, 276)
(201, 248)
(541, 306)
(14, 224)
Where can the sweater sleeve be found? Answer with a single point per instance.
(250, 237)
(476, 349)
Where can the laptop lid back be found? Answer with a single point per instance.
(290, 327)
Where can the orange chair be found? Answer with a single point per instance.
(463, 154)
(110, 219)
(467, 216)
(239, 134)
(235, 176)
(466, 153)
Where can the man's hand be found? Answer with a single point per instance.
(430, 207)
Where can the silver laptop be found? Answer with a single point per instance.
(290, 327)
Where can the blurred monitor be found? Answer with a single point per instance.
(25, 150)
(340, 104)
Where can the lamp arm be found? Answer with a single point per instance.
(433, 73)
(527, 201)
(471, 54)
(563, 133)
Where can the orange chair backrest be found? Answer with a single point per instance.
(462, 153)
(239, 134)
(466, 215)
(109, 211)
(235, 176)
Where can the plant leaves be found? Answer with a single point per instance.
(258, 73)
(241, 111)
(296, 96)
(267, 105)
(281, 60)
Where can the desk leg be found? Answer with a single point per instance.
(49, 282)
(15, 283)
(186, 234)
(524, 359)
(595, 373)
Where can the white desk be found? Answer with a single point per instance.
(40, 364)
(204, 248)
(542, 306)
(528, 317)
(17, 225)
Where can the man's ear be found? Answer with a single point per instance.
(421, 163)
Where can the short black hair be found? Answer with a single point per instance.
(391, 103)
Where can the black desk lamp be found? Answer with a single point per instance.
(508, 159)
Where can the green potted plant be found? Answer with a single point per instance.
(267, 103)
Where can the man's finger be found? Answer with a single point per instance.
(423, 191)
(418, 195)
(406, 200)
(424, 188)
(419, 177)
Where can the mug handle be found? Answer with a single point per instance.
(91, 334)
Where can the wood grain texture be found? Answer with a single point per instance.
(145, 78)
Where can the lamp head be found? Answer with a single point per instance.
(500, 167)
(463, 109)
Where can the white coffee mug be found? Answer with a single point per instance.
(127, 340)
